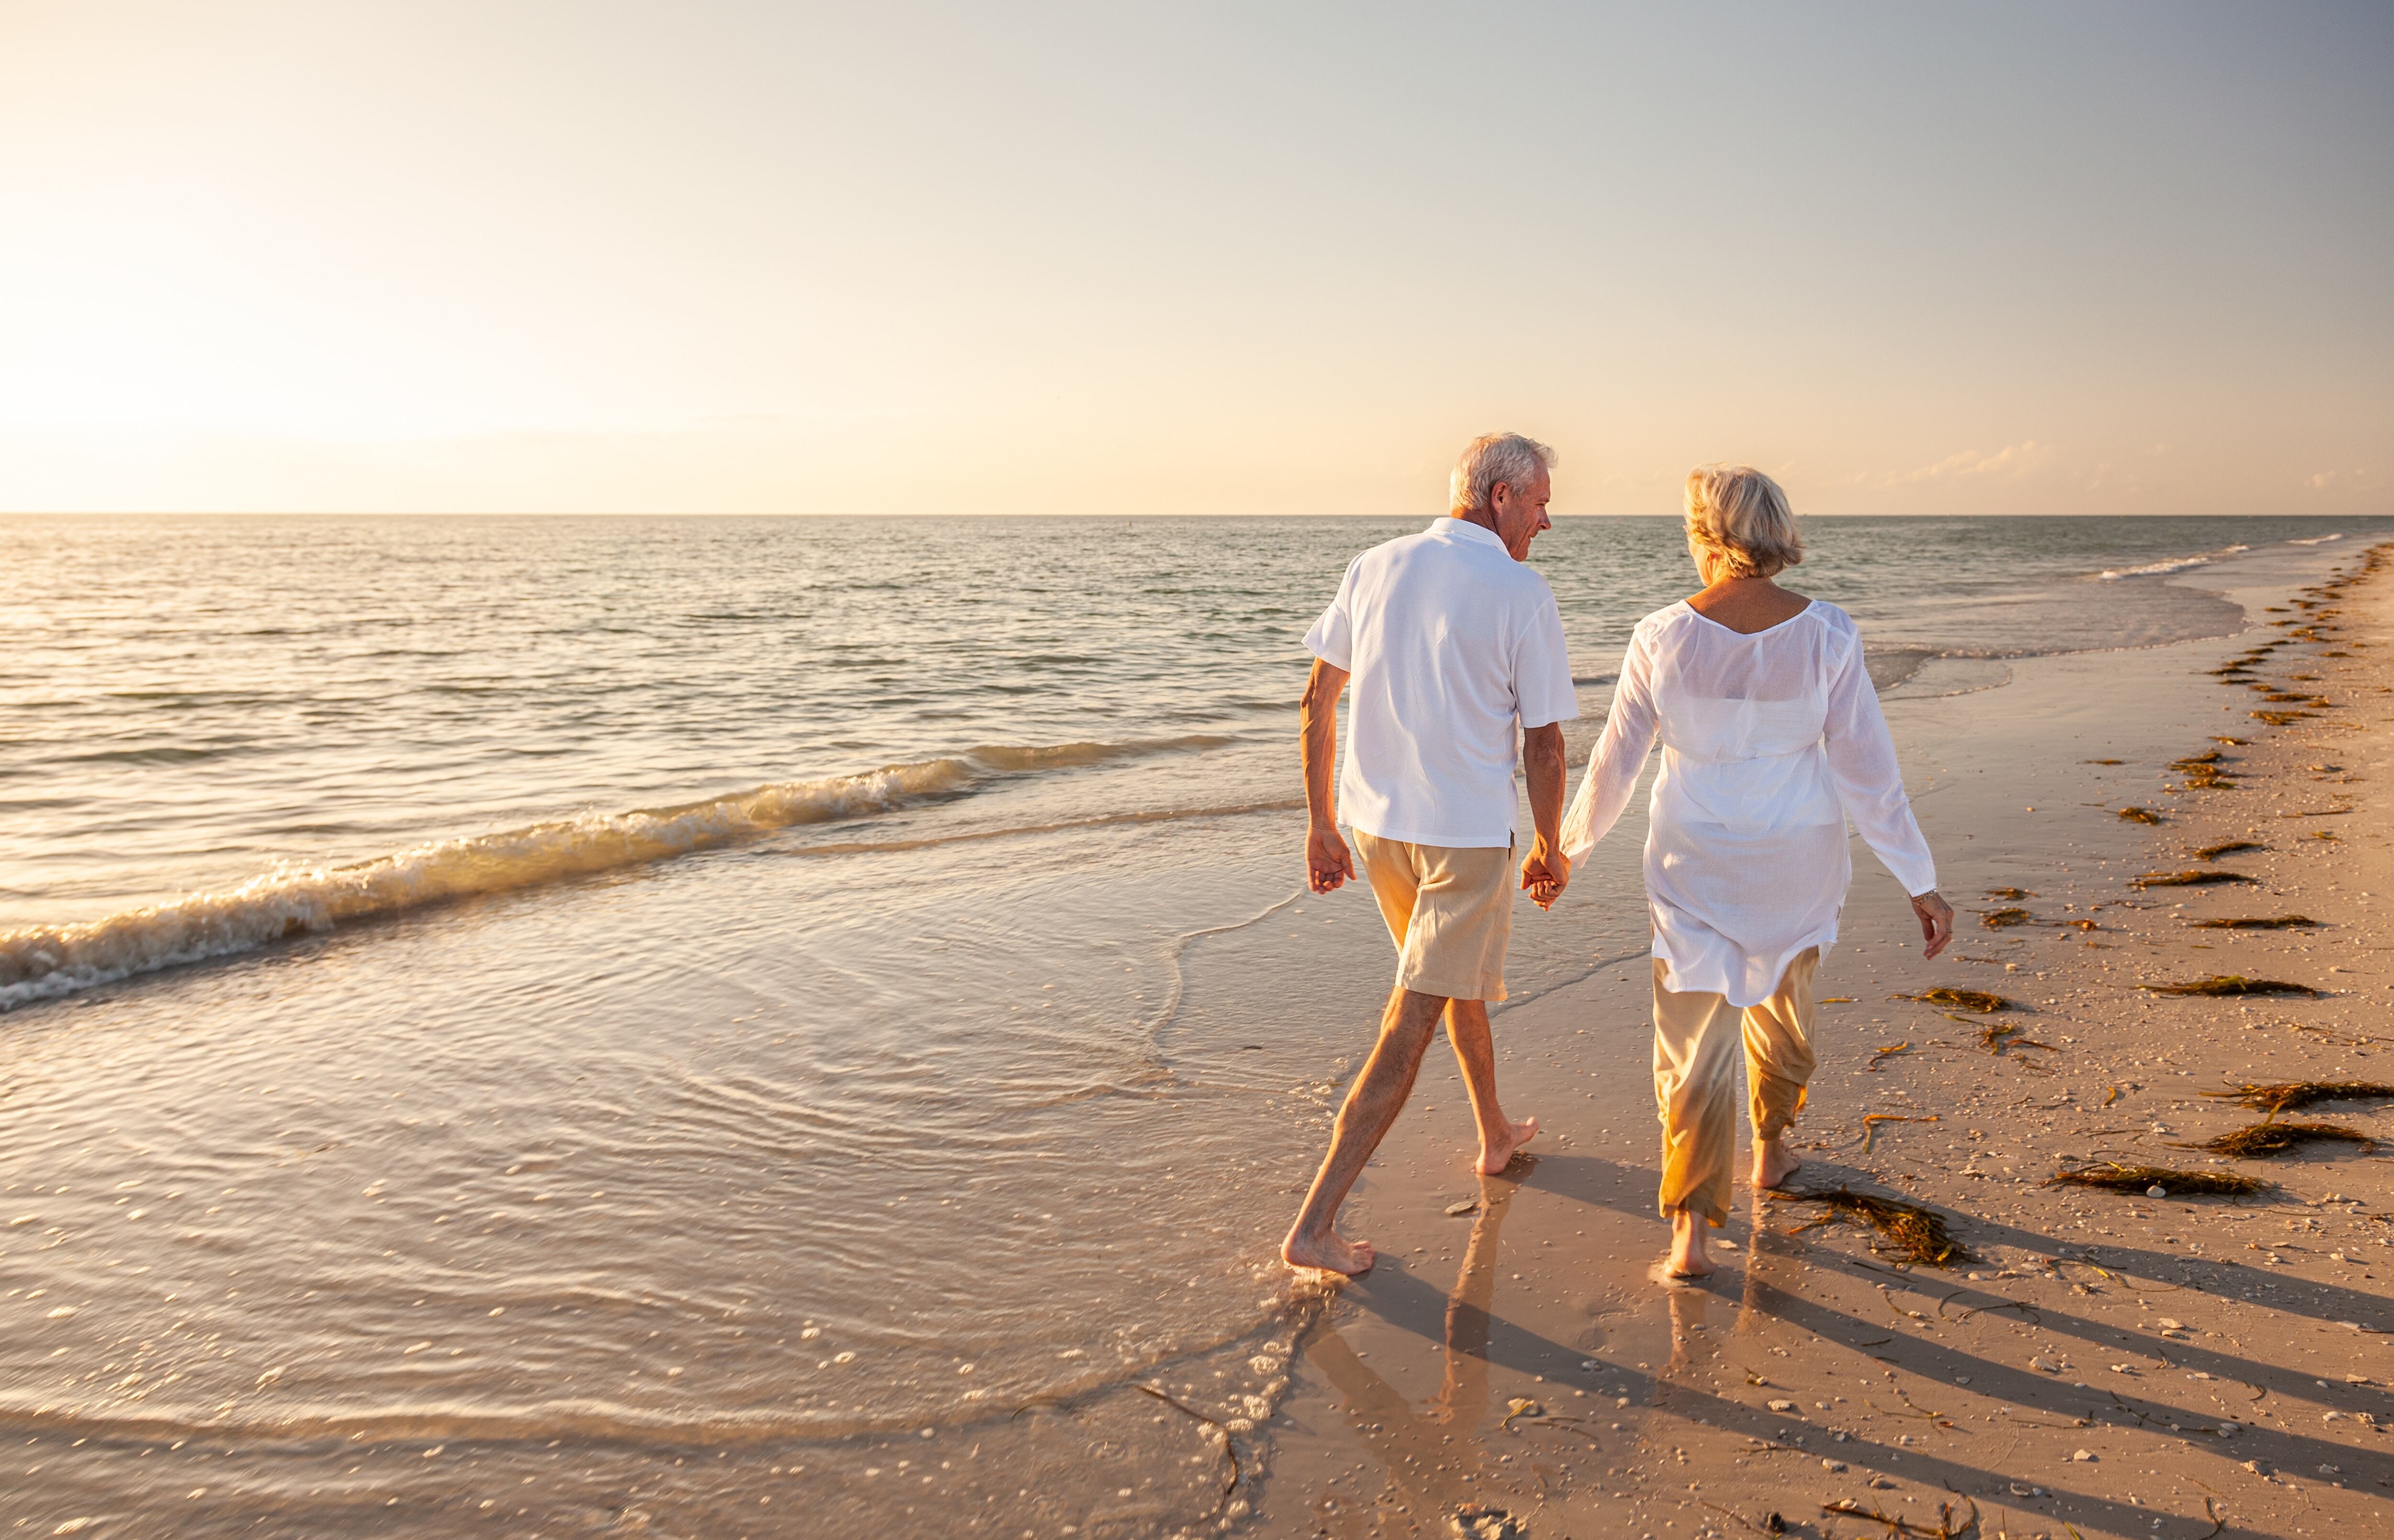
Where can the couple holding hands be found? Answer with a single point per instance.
(1772, 740)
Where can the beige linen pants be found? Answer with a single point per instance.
(1696, 1036)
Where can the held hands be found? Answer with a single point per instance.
(1545, 874)
(1936, 922)
(1327, 864)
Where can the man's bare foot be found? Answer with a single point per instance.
(1494, 1158)
(1327, 1252)
(1773, 1161)
(1688, 1258)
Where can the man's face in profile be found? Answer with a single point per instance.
(1520, 515)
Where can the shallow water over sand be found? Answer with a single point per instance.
(599, 1163)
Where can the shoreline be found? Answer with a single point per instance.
(1810, 1370)
(1122, 1370)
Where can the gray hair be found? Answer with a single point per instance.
(1741, 515)
(1511, 458)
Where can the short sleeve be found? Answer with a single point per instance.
(1333, 636)
(1542, 676)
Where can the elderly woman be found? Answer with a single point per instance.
(1772, 739)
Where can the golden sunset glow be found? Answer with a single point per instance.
(770, 259)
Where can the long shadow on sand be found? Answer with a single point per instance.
(1407, 1302)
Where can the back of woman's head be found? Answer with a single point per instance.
(1741, 515)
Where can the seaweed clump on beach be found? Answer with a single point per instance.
(2274, 1137)
(1998, 919)
(2112, 1176)
(2282, 922)
(1915, 1233)
(1950, 1522)
(2286, 1097)
(2232, 983)
(1998, 1035)
(2188, 879)
(2141, 815)
(1965, 999)
(2212, 852)
(2284, 719)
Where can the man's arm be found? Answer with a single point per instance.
(1327, 864)
(1544, 870)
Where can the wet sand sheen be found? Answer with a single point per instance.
(1818, 1369)
(684, 1194)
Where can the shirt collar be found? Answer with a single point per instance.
(1464, 529)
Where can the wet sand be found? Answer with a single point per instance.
(2102, 1363)
(329, 1355)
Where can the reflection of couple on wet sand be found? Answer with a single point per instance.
(1435, 1470)
(1772, 740)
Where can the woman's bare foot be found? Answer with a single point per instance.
(1773, 1161)
(1327, 1252)
(1494, 1158)
(1687, 1258)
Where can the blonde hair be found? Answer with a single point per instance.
(1741, 515)
(1489, 459)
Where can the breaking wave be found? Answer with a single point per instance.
(2155, 569)
(45, 962)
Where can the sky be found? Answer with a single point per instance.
(738, 256)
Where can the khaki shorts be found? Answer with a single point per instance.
(1450, 911)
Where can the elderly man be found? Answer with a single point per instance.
(1449, 640)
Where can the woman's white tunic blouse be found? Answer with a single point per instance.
(1771, 742)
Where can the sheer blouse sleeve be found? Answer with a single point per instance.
(1861, 762)
(1619, 754)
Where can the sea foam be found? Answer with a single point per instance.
(2156, 568)
(45, 962)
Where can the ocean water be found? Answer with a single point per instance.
(625, 1022)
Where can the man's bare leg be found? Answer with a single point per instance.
(1467, 1027)
(1371, 1109)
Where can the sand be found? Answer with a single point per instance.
(2104, 1363)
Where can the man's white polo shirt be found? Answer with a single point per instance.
(1450, 641)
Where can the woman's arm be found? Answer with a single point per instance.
(1861, 763)
(1619, 754)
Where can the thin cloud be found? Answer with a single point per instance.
(2008, 464)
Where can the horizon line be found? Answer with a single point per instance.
(620, 513)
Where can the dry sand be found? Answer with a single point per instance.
(2103, 1364)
